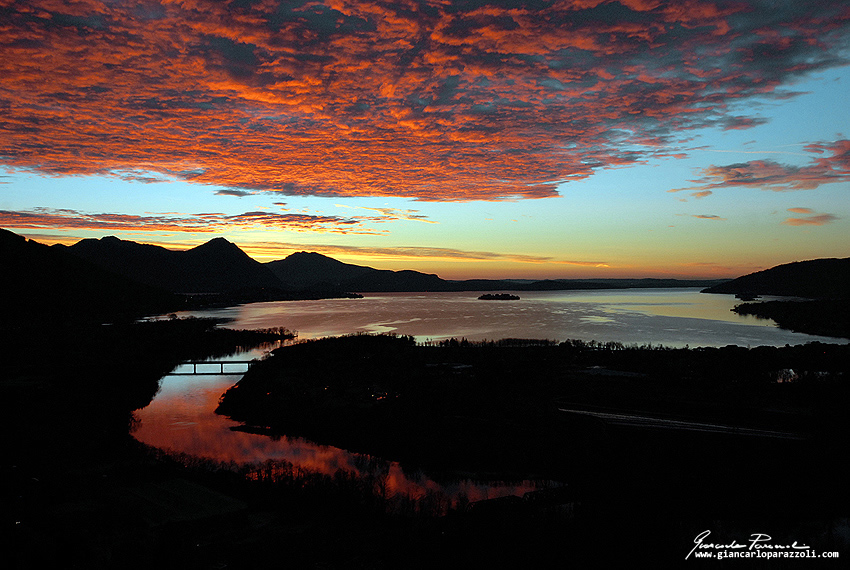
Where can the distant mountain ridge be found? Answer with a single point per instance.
(109, 280)
(220, 268)
(313, 270)
(217, 266)
(303, 270)
(814, 279)
(310, 270)
(48, 284)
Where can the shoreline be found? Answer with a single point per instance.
(76, 466)
(471, 396)
(822, 317)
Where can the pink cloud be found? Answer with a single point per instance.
(812, 218)
(832, 166)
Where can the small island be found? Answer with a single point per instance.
(498, 297)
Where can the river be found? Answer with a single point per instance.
(181, 419)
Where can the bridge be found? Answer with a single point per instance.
(209, 367)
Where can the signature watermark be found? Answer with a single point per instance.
(758, 545)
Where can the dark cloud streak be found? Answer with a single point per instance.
(208, 222)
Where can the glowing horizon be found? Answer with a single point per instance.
(562, 139)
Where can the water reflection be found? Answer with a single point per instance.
(181, 416)
(181, 419)
(672, 317)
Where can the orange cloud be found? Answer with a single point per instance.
(280, 249)
(42, 218)
(819, 220)
(419, 99)
(811, 219)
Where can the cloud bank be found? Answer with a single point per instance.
(425, 99)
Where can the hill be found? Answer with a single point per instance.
(219, 272)
(309, 270)
(814, 279)
(44, 283)
(217, 266)
(304, 271)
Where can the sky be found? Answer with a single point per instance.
(472, 139)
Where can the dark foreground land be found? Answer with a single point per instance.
(654, 445)
(819, 291)
(828, 317)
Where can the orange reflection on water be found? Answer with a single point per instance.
(181, 419)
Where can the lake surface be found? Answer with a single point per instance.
(672, 317)
(181, 417)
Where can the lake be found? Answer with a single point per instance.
(181, 417)
(672, 317)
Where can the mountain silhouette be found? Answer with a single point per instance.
(305, 270)
(217, 266)
(311, 270)
(815, 279)
(314, 271)
(43, 283)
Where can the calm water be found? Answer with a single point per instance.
(672, 317)
(181, 417)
